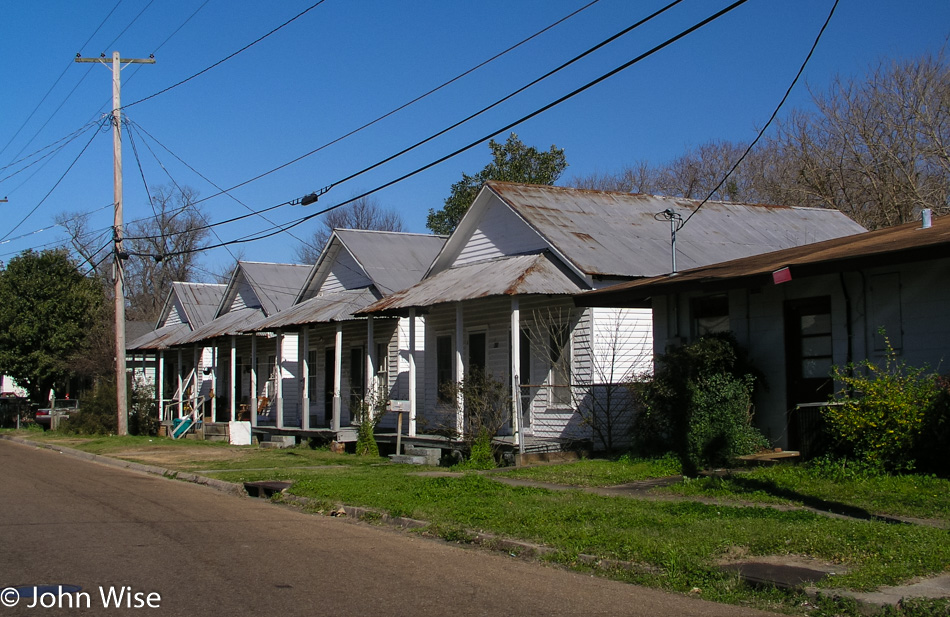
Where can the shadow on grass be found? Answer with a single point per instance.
(769, 487)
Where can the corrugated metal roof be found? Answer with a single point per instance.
(393, 260)
(234, 322)
(275, 285)
(509, 276)
(903, 243)
(162, 338)
(338, 306)
(199, 300)
(615, 234)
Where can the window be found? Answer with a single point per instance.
(559, 340)
(443, 366)
(710, 314)
(357, 376)
(312, 372)
(477, 342)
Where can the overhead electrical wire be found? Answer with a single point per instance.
(226, 58)
(58, 79)
(778, 107)
(573, 93)
(483, 110)
(48, 193)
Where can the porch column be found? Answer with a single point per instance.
(459, 368)
(337, 376)
(279, 379)
(304, 355)
(181, 392)
(371, 386)
(194, 388)
(233, 394)
(214, 382)
(412, 372)
(253, 380)
(515, 370)
(160, 386)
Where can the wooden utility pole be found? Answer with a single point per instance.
(118, 254)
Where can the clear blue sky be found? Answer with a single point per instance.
(347, 62)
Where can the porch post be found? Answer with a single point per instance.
(181, 393)
(337, 376)
(370, 363)
(214, 381)
(304, 355)
(254, 380)
(459, 368)
(194, 388)
(160, 386)
(412, 372)
(515, 369)
(234, 393)
(279, 379)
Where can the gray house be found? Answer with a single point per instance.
(498, 299)
(347, 359)
(802, 310)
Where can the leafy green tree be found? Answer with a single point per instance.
(512, 161)
(46, 308)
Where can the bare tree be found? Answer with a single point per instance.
(364, 213)
(90, 248)
(877, 149)
(640, 177)
(166, 249)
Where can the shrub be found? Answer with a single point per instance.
(882, 411)
(486, 402)
(698, 404)
(368, 416)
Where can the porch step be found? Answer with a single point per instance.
(278, 441)
(406, 459)
(216, 432)
(432, 456)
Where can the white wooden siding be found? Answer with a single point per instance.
(344, 274)
(176, 314)
(499, 233)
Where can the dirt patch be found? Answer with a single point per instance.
(163, 456)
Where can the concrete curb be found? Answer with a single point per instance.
(218, 485)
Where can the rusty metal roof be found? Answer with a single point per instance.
(392, 260)
(234, 322)
(338, 306)
(161, 338)
(508, 276)
(905, 243)
(275, 285)
(615, 234)
(199, 300)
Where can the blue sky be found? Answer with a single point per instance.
(348, 62)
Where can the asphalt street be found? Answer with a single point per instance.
(198, 551)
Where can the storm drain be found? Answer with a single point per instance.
(266, 488)
(779, 575)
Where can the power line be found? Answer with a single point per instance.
(225, 59)
(587, 86)
(45, 197)
(771, 118)
(485, 109)
(408, 103)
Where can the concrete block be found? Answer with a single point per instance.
(432, 455)
(405, 459)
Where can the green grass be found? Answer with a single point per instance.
(682, 540)
(599, 472)
(898, 495)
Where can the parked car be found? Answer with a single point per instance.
(62, 408)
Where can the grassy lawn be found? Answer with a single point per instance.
(682, 541)
(599, 472)
(905, 495)
(678, 544)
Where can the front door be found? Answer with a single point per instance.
(808, 359)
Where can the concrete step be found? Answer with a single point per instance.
(432, 456)
(222, 438)
(278, 441)
(216, 429)
(406, 459)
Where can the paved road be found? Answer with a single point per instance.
(64, 520)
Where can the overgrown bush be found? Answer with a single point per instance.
(698, 404)
(98, 411)
(882, 412)
(487, 405)
(368, 416)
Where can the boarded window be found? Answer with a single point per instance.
(443, 367)
(710, 314)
